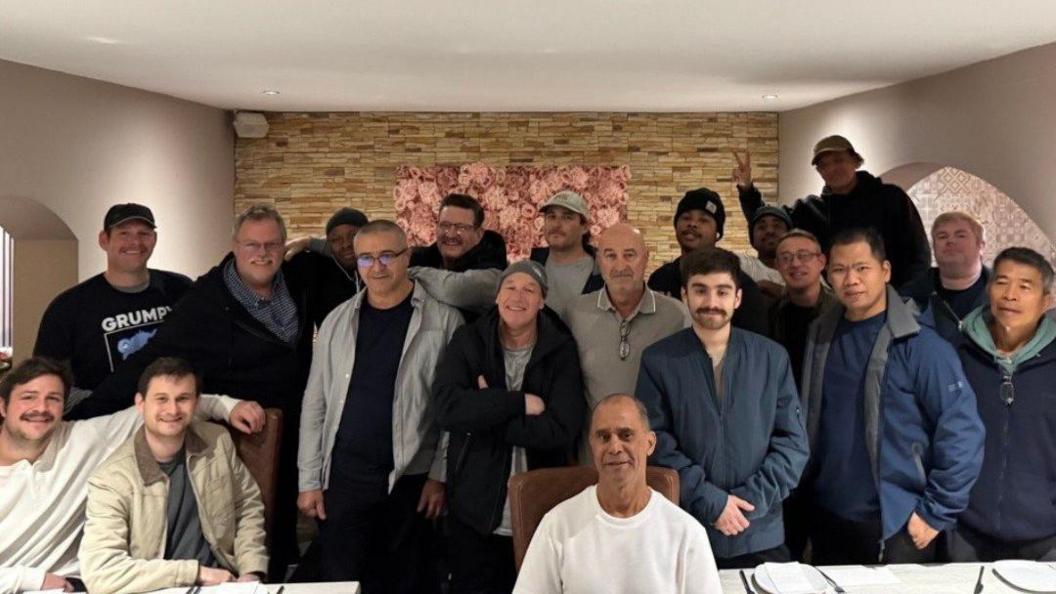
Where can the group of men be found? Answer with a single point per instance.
(831, 393)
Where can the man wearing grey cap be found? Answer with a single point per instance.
(569, 257)
(850, 199)
(510, 392)
(100, 322)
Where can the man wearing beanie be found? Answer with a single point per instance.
(850, 199)
(699, 221)
(510, 392)
(329, 266)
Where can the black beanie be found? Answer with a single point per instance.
(706, 200)
(346, 216)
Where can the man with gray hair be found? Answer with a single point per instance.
(243, 327)
(648, 543)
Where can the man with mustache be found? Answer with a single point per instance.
(896, 441)
(462, 242)
(699, 221)
(957, 285)
(614, 324)
(726, 414)
(645, 543)
(99, 323)
(568, 257)
(45, 463)
(173, 506)
(1009, 356)
(244, 328)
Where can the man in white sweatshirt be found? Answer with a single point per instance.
(45, 463)
(619, 536)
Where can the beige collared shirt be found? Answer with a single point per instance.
(595, 324)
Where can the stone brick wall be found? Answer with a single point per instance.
(313, 163)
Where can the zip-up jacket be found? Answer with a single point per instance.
(1015, 497)
(750, 443)
(923, 291)
(922, 430)
(485, 424)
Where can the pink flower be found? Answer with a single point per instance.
(494, 198)
(430, 193)
(446, 179)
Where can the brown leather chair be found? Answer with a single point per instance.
(536, 492)
(260, 453)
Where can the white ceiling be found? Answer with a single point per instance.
(515, 55)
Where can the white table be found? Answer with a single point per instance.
(950, 578)
(307, 588)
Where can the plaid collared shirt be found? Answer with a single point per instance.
(278, 314)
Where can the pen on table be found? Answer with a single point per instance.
(979, 582)
(281, 588)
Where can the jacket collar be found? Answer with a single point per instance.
(149, 469)
(901, 315)
(418, 295)
(549, 335)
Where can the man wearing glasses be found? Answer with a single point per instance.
(244, 328)
(462, 242)
(371, 458)
(800, 261)
(613, 325)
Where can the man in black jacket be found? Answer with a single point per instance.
(957, 286)
(243, 327)
(509, 390)
(328, 266)
(850, 199)
(699, 221)
(462, 243)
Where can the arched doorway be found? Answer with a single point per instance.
(936, 189)
(43, 262)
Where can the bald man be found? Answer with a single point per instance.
(615, 323)
(620, 535)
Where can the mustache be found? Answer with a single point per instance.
(621, 274)
(46, 417)
(707, 310)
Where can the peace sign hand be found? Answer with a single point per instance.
(742, 174)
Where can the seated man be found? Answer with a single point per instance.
(1009, 357)
(619, 536)
(52, 459)
(510, 391)
(173, 505)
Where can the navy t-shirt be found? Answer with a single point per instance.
(963, 301)
(363, 447)
(844, 485)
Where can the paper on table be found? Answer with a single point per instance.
(859, 575)
(55, 591)
(225, 588)
(788, 578)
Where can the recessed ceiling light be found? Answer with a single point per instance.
(103, 40)
(770, 97)
(269, 93)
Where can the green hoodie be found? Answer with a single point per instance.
(976, 326)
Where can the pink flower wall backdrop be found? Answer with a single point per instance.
(511, 197)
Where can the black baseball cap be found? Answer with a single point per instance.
(122, 213)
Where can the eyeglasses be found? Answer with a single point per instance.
(253, 247)
(1008, 390)
(384, 258)
(803, 256)
(459, 228)
(625, 347)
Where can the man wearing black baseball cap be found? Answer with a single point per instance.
(100, 322)
(699, 221)
(852, 198)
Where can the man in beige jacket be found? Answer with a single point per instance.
(172, 506)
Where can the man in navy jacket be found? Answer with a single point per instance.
(895, 438)
(724, 407)
(1009, 356)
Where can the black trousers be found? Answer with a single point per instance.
(964, 545)
(480, 564)
(373, 536)
(837, 541)
(283, 542)
(774, 555)
(797, 525)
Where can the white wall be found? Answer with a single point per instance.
(77, 146)
(994, 119)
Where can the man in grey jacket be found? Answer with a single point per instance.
(371, 460)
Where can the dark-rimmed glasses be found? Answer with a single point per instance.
(384, 258)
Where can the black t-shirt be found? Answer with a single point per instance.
(364, 438)
(797, 320)
(96, 327)
(962, 302)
